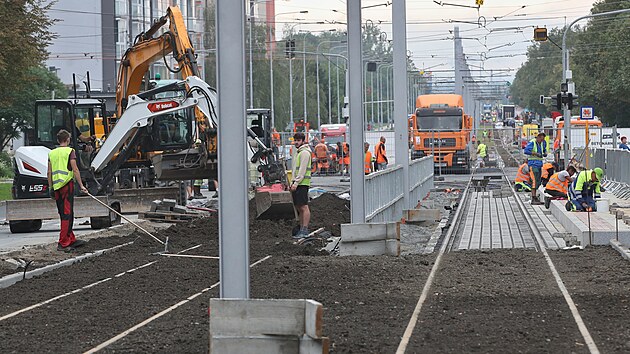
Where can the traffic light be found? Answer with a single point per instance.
(540, 34)
(478, 2)
(289, 48)
(572, 100)
(557, 101)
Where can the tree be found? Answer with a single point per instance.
(36, 83)
(600, 61)
(24, 36)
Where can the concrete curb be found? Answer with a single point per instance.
(9, 280)
(624, 251)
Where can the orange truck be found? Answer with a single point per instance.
(440, 128)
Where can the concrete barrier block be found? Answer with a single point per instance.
(393, 231)
(364, 248)
(169, 202)
(393, 247)
(363, 232)
(421, 215)
(266, 326)
(155, 204)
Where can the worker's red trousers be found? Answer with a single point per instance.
(65, 204)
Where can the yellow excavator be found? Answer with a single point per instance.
(177, 149)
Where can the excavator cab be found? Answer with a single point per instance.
(79, 118)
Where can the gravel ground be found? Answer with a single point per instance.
(504, 301)
(598, 279)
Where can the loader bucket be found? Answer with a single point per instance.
(184, 165)
(274, 205)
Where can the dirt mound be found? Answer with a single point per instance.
(329, 211)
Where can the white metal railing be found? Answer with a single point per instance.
(384, 190)
(384, 194)
(420, 179)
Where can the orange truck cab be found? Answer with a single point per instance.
(440, 128)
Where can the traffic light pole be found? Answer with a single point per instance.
(565, 78)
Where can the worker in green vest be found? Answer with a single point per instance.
(301, 182)
(62, 169)
(482, 154)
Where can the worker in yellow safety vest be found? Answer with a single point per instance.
(301, 183)
(482, 154)
(522, 183)
(62, 169)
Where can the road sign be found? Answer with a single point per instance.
(586, 113)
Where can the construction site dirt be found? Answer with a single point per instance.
(499, 301)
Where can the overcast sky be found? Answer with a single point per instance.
(504, 40)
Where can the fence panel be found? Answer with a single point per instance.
(420, 179)
(384, 195)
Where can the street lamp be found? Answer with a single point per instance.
(304, 72)
(317, 69)
(272, 37)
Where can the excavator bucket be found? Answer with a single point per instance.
(184, 165)
(274, 203)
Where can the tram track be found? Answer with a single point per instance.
(494, 300)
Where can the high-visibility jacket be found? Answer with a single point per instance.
(379, 151)
(367, 163)
(59, 159)
(482, 150)
(346, 153)
(321, 151)
(583, 181)
(521, 176)
(306, 181)
(555, 184)
(545, 170)
(534, 147)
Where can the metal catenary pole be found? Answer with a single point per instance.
(565, 72)
(304, 77)
(233, 215)
(251, 54)
(357, 177)
(399, 19)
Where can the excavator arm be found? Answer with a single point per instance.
(147, 49)
(191, 163)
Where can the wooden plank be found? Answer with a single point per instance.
(313, 319)
(421, 215)
(236, 317)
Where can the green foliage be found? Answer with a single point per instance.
(5, 191)
(6, 169)
(36, 83)
(375, 47)
(24, 36)
(599, 59)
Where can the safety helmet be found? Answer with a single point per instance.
(599, 173)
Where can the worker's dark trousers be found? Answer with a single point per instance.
(65, 204)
